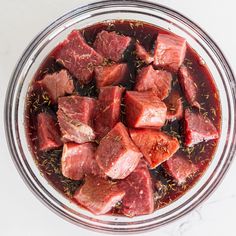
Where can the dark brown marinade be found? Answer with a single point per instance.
(167, 189)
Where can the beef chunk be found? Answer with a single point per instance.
(78, 57)
(98, 195)
(75, 115)
(108, 110)
(138, 199)
(78, 160)
(156, 146)
(48, 132)
(110, 75)
(169, 51)
(57, 84)
(116, 154)
(144, 110)
(157, 81)
(174, 105)
(180, 168)
(188, 86)
(143, 54)
(198, 128)
(111, 45)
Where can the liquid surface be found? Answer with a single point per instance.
(201, 154)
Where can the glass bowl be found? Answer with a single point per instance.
(40, 47)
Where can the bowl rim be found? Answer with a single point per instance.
(20, 64)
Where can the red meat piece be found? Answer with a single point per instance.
(174, 105)
(108, 110)
(75, 115)
(143, 54)
(144, 110)
(48, 132)
(78, 57)
(188, 86)
(156, 146)
(157, 81)
(98, 195)
(111, 45)
(78, 160)
(57, 84)
(138, 187)
(198, 128)
(111, 75)
(116, 154)
(169, 51)
(180, 168)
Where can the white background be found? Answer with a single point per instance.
(20, 212)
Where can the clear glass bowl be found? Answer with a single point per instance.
(81, 17)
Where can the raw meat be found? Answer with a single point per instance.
(111, 75)
(48, 132)
(78, 57)
(169, 51)
(138, 187)
(75, 116)
(116, 154)
(156, 146)
(111, 45)
(144, 110)
(98, 195)
(157, 81)
(198, 128)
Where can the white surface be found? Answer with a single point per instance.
(20, 212)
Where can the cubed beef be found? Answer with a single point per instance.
(169, 51)
(198, 128)
(111, 45)
(75, 115)
(78, 160)
(174, 105)
(188, 86)
(48, 132)
(78, 57)
(108, 110)
(111, 74)
(98, 195)
(57, 84)
(156, 146)
(143, 54)
(116, 154)
(180, 168)
(157, 81)
(144, 110)
(138, 187)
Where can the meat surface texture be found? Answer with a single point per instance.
(188, 86)
(144, 110)
(175, 107)
(143, 54)
(111, 45)
(78, 160)
(155, 146)
(169, 51)
(116, 154)
(78, 57)
(57, 84)
(180, 168)
(198, 128)
(48, 132)
(138, 187)
(75, 116)
(157, 81)
(108, 110)
(111, 74)
(98, 195)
